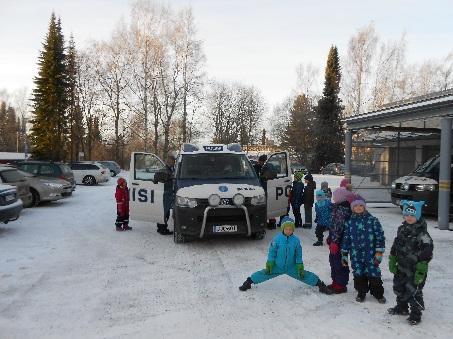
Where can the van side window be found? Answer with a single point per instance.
(145, 166)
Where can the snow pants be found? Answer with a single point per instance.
(122, 220)
(408, 293)
(261, 276)
(319, 232)
(338, 272)
(308, 214)
(297, 215)
(363, 284)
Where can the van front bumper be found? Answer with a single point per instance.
(201, 221)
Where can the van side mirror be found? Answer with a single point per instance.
(161, 177)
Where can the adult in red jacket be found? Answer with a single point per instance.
(122, 206)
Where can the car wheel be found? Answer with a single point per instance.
(34, 198)
(112, 173)
(89, 180)
(259, 235)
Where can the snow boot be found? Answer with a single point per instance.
(126, 228)
(246, 285)
(119, 228)
(337, 288)
(323, 288)
(318, 243)
(414, 318)
(308, 226)
(272, 224)
(360, 297)
(381, 300)
(166, 231)
(398, 310)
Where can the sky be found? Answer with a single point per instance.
(254, 42)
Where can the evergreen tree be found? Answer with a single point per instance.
(76, 130)
(329, 134)
(49, 131)
(299, 132)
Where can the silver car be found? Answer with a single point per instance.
(46, 188)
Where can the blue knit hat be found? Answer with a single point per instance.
(287, 221)
(320, 193)
(412, 208)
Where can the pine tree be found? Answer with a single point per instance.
(76, 130)
(329, 134)
(49, 131)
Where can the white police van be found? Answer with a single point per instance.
(216, 192)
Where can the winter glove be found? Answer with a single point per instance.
(344, 259)
(300, 270)
(269, 267)
(334, 248)
(393, 265)
(378, 258)
(420, 272)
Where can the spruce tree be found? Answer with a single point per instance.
(329, 134)
(49, 131)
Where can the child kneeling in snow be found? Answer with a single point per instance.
(411, 252)
(285, 257)
(364, 240)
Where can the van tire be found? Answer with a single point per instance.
(259, 235)
(35, 199)
(89, 180)
(179, 238)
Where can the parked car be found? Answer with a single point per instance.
(10, 204)
(90, 173)
(334, 168)
(46, 188)
(11, 176)
(114, 168)
(298, 168)
(49, 169)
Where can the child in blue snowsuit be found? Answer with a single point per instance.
(323, 209)
(285, 257)
(341, 212)
(297, 197)
(364, 241)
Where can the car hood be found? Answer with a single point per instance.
(224, 190)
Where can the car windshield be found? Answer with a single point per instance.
(12, 176)
(215, 166)
(428, 166)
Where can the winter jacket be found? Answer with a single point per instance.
(328, 193)
(309, 193)
(297, 194)
(363, 237)
(122, 201)
(340, 214)
(285, 251)
(323, 211)
(412, 245)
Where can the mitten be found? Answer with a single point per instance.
(378, 258)
(344, 259)
(300, 270)
(334, 248)
(393, 264)
(420, 272)
(269, 267)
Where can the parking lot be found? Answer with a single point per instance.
(66, 273)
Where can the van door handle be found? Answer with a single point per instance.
(135, 184)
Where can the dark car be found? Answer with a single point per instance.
(334, 168)
(49, 169)
(114, 168)
(10, 204)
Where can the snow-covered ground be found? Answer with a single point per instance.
(65, 273)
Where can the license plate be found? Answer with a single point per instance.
(225, 228)
(9, 197)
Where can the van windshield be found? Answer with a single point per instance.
(428, 166)
(215, 166)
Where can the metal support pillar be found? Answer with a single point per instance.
(444, 173)
(347, 154)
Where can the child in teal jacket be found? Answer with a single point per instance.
(285, 257)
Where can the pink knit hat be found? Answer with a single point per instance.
(340, 195)
(344, 182)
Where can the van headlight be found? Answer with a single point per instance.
(425, 187)
(186, 202)
(393, 185)
(258, 200)
(214, 200)
(238, 199)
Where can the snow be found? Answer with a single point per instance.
(65, 273)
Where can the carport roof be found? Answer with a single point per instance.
(438, 104)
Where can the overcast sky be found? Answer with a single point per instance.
(255, 42)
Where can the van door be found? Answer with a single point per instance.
(146, 198)
(278, 187)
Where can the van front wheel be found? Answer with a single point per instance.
(178, 238)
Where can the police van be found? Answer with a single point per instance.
(215, 189)
(422, 185)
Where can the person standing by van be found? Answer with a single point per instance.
(309, 199)
(168, 194)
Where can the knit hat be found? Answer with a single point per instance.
(121, 181)
(412, 208)
(340, 195)
(298, 175)
(308, 177)
(324, 185)
(320, 193)
(287, 222)
(358, 201)
(344, 182)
